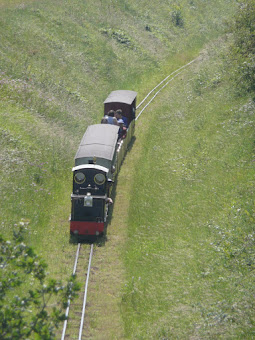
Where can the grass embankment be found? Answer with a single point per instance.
(190, 249)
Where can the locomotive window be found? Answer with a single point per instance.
(79, 178)
(99, 179)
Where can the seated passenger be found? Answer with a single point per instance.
(111, 119)
(122, 130)
(118, 115)
(104, 120)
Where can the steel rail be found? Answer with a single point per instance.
(85, 292)
(68, 302)
(179, 70)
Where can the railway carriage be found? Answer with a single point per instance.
(97, 163)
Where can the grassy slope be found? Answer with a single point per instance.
(190, 255)
(59, 60)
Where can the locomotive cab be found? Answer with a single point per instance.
(93, 175)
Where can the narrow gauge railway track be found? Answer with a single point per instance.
(74, 324)
(155, 91)
(76, 319)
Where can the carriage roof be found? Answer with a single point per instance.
(98, 141)
(121, 96)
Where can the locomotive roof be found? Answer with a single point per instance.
(121, 96)
(98, 141)
(90, 166)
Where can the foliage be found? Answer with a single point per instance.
(119, 35)
(243, 48)
(26, 294)
(177, 16)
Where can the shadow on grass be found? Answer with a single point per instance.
(130, 145)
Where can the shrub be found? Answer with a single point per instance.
(177, 17)
(243, 47)
(25, 293)
(118, 35)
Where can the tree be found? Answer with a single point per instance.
(25, 293)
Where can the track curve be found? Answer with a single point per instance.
(164, 83)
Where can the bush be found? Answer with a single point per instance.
(118, 35)
(25, 294)
(243, 47)
(177, 17)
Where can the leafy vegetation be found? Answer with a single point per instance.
(243, 48)
(26, 296)
(119, 36)
(177, 16)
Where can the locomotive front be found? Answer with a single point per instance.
(92, 178)
(89, 199)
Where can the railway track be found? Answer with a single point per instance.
(74, 325)
(158, 88)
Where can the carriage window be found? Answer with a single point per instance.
(79, 178)
(99, 179)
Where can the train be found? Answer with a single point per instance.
(97, 163)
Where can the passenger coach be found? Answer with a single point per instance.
(97, 163)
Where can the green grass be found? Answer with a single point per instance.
(190, 249)
(58, 62)
(31, 168)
